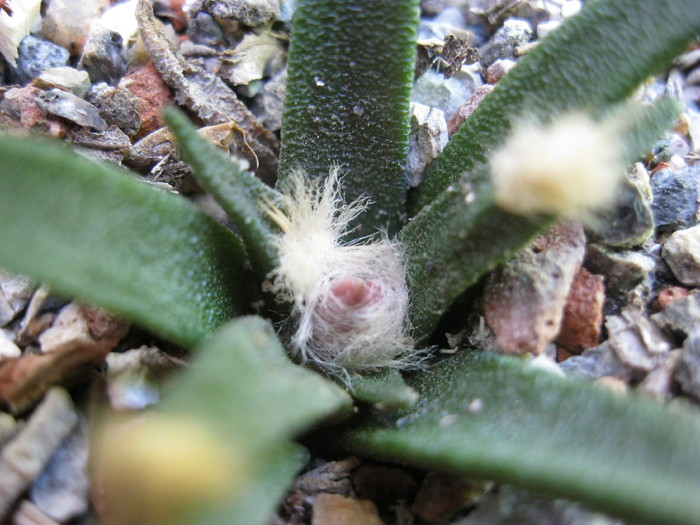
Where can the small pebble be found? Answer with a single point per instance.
(583, 313)
(35, 56)
(667, 296)
(598, 362)
(441, 495)
(269, 103)
(524, 299)
(104, 57)
(682, 254)
(468, 108)
(67, 22)
(433, 90)
(152, 95)
(250, 12)
(118, 106)
(627, 222)
(334, 509)
(498, 69)
(681, 317)
(675, 199)
(15, 292)
(513, 33)
(688, 374)
(622, 270)
(427, 138)
(65, 78)
(66, 105)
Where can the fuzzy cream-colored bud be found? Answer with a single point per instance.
(350, 301)
(569, 168)
(161, 469)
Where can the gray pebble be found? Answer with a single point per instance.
(597, 362)
(682, 254)
(514, 32)
(688, 373)
(675, 199)
(68, 106)
(627, 223)
(104, 56)
(681, 317)
(65, 78)
(36, 55)
(250, 12)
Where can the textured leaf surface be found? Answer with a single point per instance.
(564, 437)
(94, 232)
(594, 59)
(350, 76)
(232, 185)
(243, 386)
(386, 390)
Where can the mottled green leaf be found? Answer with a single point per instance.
(230, 182)
(94, 232)
(497, 418)
(386, 390)
(350, 75)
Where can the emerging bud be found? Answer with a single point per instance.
(350, 300)
(568, 168)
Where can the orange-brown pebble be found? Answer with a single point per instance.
(146, 85)
(334, 509)
(583, 313)
(667, 296)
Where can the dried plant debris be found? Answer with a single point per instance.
(23, 458)
(203, 93)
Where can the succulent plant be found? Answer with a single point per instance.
(364, 271)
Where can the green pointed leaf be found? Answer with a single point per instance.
(495, 417)
(594, 59)
(386, 390)
(244, 385)
(94, 232)
(348, 89)
(229, 181)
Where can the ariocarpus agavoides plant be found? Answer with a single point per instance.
(350, 300)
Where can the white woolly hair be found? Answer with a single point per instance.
(570, 167)
(350, 300)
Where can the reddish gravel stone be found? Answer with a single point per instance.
(146, 85)
(667, 296)
(583, 313)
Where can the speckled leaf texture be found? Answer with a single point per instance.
(93, 232)
(243, 386)
(350, 75)
(235, 188)
(594, 59)
(625, 455)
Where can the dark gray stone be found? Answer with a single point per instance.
(36, 55)
(675, 195)
(688, 373)
(103, 56)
